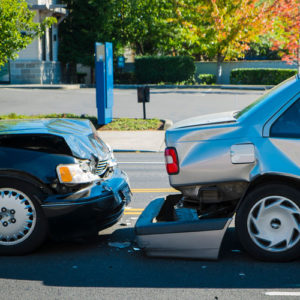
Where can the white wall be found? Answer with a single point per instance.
(32, 51)
(211, 67)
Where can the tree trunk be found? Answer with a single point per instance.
(220, 59)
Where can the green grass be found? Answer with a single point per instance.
(116, 124)
(133, 124)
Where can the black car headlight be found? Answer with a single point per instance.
(79, 172)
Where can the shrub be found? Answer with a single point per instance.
(168, 69)
(260, 76)
(124, 77)
(207, 78)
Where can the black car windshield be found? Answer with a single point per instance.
(259, 100)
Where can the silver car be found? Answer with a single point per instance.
(245, 163)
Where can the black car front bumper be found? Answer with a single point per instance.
(98, 206)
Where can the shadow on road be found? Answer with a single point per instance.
(95, 264)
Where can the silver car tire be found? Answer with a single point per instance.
(23, 226)
(268, 222)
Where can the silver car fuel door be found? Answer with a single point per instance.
(242, 153)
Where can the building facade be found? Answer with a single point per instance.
(38, 63)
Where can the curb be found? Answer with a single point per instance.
(134, 86)
(221, 86)
(167, 124)
(42, 86)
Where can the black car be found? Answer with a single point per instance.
(57, 176)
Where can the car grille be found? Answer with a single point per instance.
(101, 167)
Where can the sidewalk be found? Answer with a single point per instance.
(133, 141)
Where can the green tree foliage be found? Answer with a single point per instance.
(144, 24)
(205, 29)
(17, 28)
(141, 24)
(87, 22)
(221, 29)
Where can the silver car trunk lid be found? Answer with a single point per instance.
(223, 117)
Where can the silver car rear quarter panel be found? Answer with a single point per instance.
(209, 161)
(204, 149)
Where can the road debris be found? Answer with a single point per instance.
(136, 249)
(236, 251)
(119, 245)
(125, 224)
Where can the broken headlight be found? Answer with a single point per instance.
(80, 172)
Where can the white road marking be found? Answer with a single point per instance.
(142, 162)
(285, 294)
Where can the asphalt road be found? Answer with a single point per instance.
(173, 104)
(94, 270)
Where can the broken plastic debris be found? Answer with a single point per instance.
(236, 250)
(136, 249)
(119, 245)
(125, 224)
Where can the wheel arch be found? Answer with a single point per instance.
(25, 178)
(270, 179)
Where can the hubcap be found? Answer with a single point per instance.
(17, 217)
(274, 223)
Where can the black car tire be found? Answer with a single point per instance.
(23, 226)
(268, 223)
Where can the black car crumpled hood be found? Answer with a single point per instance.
(80, 135)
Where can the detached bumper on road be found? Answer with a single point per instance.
(178, 232)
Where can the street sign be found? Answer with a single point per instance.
(143, 95)
(121, 62)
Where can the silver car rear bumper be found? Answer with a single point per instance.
(186, 237)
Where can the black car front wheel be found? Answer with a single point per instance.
(23, 226)
(268, 223)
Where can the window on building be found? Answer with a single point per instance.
(44, 47)
(50, 44)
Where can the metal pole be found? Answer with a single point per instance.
(144, 109)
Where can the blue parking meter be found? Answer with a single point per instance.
(104, 82)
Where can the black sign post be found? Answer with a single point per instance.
(143, 94)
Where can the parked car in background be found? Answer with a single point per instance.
(57, 176)
(245, 162)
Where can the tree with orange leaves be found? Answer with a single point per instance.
(222, 29)
(286, 29)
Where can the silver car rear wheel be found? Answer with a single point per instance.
(268, 222)
(274, 223)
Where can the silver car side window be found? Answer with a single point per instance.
(288, 124)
